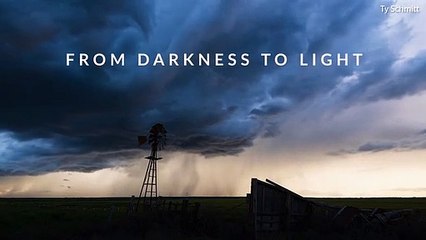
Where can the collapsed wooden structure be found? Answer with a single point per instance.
(277, 213)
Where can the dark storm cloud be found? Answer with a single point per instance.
(82, 162)
(213, 146)
(271, 108)
(408, 80)
(83, 119)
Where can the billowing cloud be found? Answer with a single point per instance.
(56, 118)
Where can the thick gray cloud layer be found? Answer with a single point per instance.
(413, 142)
(53, 115)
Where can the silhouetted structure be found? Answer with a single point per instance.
(278, 213)
(157, 140)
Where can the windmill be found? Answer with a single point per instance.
(157, 140)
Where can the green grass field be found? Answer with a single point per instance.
(76, 218)
(385, 203)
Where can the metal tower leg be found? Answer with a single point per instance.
(149, 186)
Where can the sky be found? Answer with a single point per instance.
(320, 131)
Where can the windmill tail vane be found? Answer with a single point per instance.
(142, 140)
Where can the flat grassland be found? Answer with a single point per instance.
(385, 203)
(106, 218)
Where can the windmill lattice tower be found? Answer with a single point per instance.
(149, 190)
